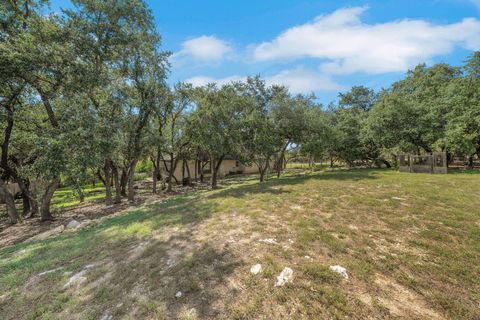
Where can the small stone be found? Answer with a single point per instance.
(269, 241)
(284, 277)
(398, 198)
(340, 270)
(256, 269)
(178, 294)
(72, 224)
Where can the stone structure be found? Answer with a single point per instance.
(428, 163)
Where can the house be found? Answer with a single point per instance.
(230, 165)
(13, 189)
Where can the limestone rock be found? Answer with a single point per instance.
(72, 224)
(256, 269)
(269, 241)
(284, 277)
(340, 270)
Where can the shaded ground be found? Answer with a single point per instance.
(409, 243)
(66, 207)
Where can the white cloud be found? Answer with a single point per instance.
(346, 45)
(199, 81)
(298, 80)
(204, 48)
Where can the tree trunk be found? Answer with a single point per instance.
(45, 213)
(171, 171)
(81, 195)
(154, 178)
(131, 181)
(262, 174)
(123, 183)
(280, 160)
(116, 183)
(99, 174)
(470, 162)
(108, 186)
(386, 163)
(202, 175)
(34, 206)
(33, 199)
(9, 202)
(196, 170)
(189, 177)
(26, 204)
(215, 167)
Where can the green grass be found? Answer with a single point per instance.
(417, 232)
(66, 197)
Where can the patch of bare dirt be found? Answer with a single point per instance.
(402, 302)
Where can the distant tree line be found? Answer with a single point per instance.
(84, 93)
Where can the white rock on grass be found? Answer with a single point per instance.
(256, 269)
(178, 294)
(284, 277)
(340, 270)
(72, 224)
(50, 271)
(78, 277)
(269, 241)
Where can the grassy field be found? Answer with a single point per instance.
(410, 244)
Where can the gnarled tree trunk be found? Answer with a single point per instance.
(123, 183)
(215, 167)
(171, 171)
(26, 204)
(45, 213)
(9, 202)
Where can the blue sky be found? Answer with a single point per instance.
(312, 46)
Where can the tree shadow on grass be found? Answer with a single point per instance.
(198, 269)
(274, 185)
(72, 251)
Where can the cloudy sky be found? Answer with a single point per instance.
(322, 46)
